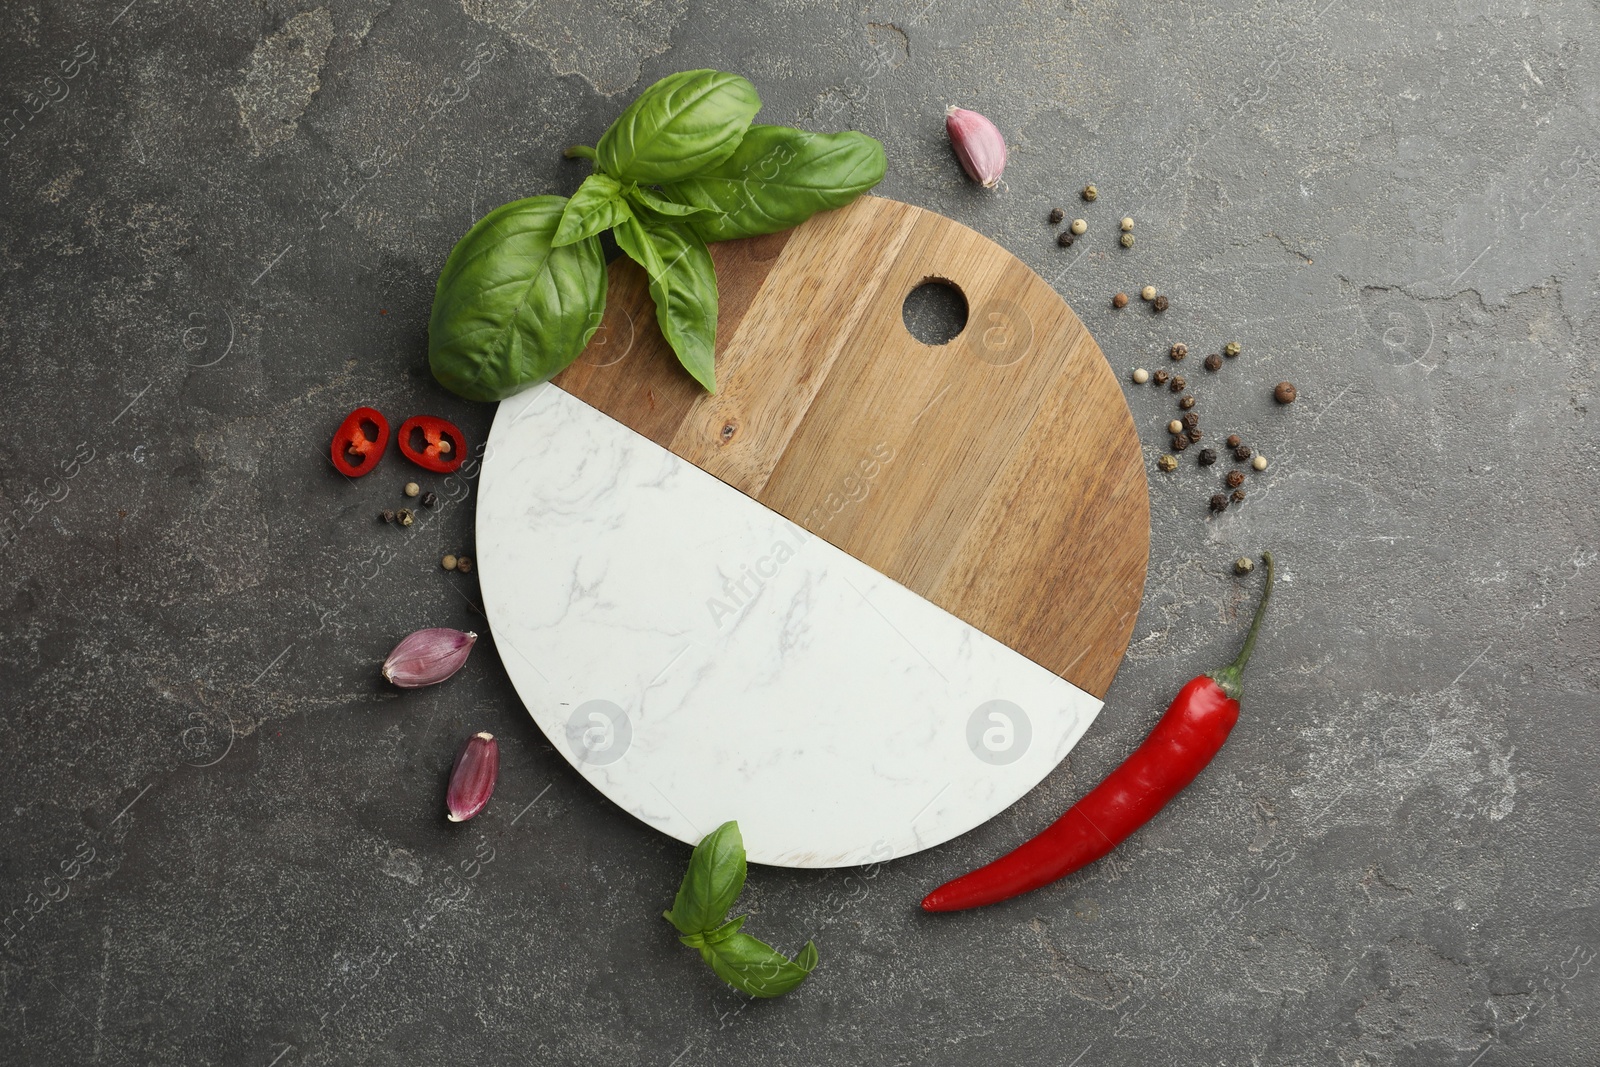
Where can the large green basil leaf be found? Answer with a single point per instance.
(510, 309)
(715, 877)
(777, 178)
(755, 967)
(679, 126)
(683, 284)
(597, 205)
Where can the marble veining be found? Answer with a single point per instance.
(698, 657)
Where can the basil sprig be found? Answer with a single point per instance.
(710, 887)
(682, 166)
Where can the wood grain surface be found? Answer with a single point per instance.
(998, 475)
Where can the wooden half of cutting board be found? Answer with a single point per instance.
(998, 475)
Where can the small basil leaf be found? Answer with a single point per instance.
(680, 125)
(683, 284)
(596, 206)
(510, 309)
(755, 967)
(659, 204)
(726, 930)
(777, 178)
(715, 877)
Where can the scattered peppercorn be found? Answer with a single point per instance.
(1259, 463)
(1141, 375)
(1185, 402)
(1208, 456)
(430, 499)
(412, 489)
(1161, 377)
(1175, 426)
(1231, 349)
(1234, 441)
(1056, 215)
(1284, 393)
(1178, 351)
(1237, 496)
(1178, 383)
(1194, 434)
(1213, 363)
(1244, 565)
(1065, 239)
(404, 517)
(386, 515)
(1180, 442)
(448, 563)
(1161, 303)
(1090, 193)
(1219, 502)
(464, 565)
(1127, 225)
(1235, 479)
(1191, 420)
(1079, 227)
(1242, 452)
(1120, 300)
(1126, 240)
(1147, 293)
(1168, 463)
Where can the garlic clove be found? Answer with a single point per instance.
(472, 778)
(428, 657)
(978, 145)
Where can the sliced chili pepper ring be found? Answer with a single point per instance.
(354, 453)
(445, 448)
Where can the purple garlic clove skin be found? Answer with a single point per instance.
(428, 657)
(473, 777)
(978, 145)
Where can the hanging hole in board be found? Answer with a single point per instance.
(935, 312)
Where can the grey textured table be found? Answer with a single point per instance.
(222, 834)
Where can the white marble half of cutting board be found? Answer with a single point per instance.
(698, 657)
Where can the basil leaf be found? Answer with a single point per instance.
(597, 205)
(777, 178)
(659, 204)
(510, 309)
(755, 967)
(682, 124)
(683, 284)
(714, 880)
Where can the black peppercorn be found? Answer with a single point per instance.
(1213, 362)
(1185, 402)
(1238, 496)
(464, 565)
(1233, 440)
(1161, 303)
(1191, 420)
(1161, 377)
(430, 499)
(1120, 300)
(1242, 452)
(1180, 442)
(1208, 456)
(1178, 383)
(1235, 479)
(1178, 351)
(1284, 393)
(1056, 214)
(386, 515)
(1219, 501)
(1065, 239)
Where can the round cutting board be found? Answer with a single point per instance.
(862, 598)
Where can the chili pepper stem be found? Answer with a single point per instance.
(1230, 677)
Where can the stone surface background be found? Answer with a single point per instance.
(220, 228)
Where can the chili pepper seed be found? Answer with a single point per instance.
(404, 517)
(1120, 300)
(1140, 375)
(1259, 463)
(1208, 456)
(1213, 363)
(1244, 565)
(412, 489)
(1147, 293)
(1161, 303)
(1056, 215)
(1079, 227)
(464, 565)
(1178, 351)
(1233, 440)
(1161, 377)
(1284, 393)
(1185, 402)
(1230, 350)
(1168, 463)
(1090, 193)
(1235, 479)
(449, 563)
(1219, 501)
(1126, 240)
(1242, 452)
(1127, 225)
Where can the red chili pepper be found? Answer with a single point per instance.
(354, 453)
(446, 447)
(1183, 742)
